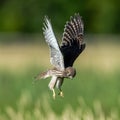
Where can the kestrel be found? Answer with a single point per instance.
(63, 56)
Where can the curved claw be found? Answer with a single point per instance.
(61, 94)
(53, 93)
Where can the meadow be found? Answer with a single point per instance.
(94, 94)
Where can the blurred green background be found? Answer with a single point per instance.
(27, 16)
(94, 94)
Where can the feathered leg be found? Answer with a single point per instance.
(52, 85)
(58, 85)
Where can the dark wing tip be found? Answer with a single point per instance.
(72, 42)
(45, 23)
(46, 17)
(73, 31)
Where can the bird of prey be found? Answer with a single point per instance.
(63, 56)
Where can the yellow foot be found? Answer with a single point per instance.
(61, 94)
(53, 93)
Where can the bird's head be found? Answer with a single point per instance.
(70, 72)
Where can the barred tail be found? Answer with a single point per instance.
(42, 75)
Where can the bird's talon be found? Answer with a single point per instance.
(53, 93)
(61, 94)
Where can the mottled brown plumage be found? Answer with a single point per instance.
(62, 57)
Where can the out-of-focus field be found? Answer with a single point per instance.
(94, 94)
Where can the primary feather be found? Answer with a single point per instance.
(72, 42)
(56, 57)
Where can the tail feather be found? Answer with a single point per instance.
(42, 75)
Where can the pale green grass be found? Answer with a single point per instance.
(99, 56)
(42, 111)
(94, 94)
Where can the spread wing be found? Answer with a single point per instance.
(72, 42)
(56, 57)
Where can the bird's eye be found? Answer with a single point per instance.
(68, 74)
